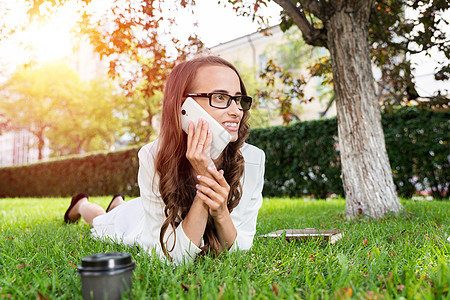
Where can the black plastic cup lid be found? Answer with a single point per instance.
(108, 261)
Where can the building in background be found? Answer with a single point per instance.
(250, 49)
(18, 147)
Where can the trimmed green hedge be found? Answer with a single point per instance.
(96, 174)
(418, 147)
(302, 159)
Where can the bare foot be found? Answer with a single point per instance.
(118, 200)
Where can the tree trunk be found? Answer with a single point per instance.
(41, 143)
(367, 178)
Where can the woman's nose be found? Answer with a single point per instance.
(234, 108)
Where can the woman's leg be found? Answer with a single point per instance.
(81, 207)
(87, 210)
(117, 200)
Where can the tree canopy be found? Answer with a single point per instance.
(54, 104)
(397, 31)
(134, 40)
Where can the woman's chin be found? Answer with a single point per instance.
(234, 136)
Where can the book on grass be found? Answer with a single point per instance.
(331, 235)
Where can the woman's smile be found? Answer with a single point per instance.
(232, 126)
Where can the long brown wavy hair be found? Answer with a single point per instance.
(176, 180)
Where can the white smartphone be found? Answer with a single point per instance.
(192, 111)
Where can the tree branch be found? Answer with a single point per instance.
(404, 45)
(311, 35)
(330, 102)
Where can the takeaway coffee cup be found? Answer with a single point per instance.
(106, 275)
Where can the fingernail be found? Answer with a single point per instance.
(198, 176)
(210, 168)
(209, 131)
(196, 185)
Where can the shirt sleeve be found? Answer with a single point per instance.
(183, 249)
(246, 213)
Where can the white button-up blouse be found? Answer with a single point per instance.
(138, 221)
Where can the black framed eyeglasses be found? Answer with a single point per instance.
(222, 100)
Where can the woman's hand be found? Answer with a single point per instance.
(199, 148)
(214, 193)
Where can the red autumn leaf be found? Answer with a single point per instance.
(275, 289)
(39, 296)
(365, 241)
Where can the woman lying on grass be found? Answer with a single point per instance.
(190, 204)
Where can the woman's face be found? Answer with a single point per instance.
(221, 79)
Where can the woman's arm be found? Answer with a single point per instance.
(239, 229)
(194, 223)
(212, 190)
(214, 193)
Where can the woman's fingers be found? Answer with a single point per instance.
(211, 193)
(199, 140)
(191, 129)
(214, 188)
(198, 150)
(200, 137)
(213, 205)
(201, 132)
(214, 184)
(218, 176)
(214, 192)
(194, 133)
(214, 199)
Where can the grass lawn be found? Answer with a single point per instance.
(398, 257)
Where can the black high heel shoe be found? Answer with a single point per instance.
(74, 201)
(114, 197)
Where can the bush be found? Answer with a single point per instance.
(96, 174)
(418, 149)
(301, 159)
